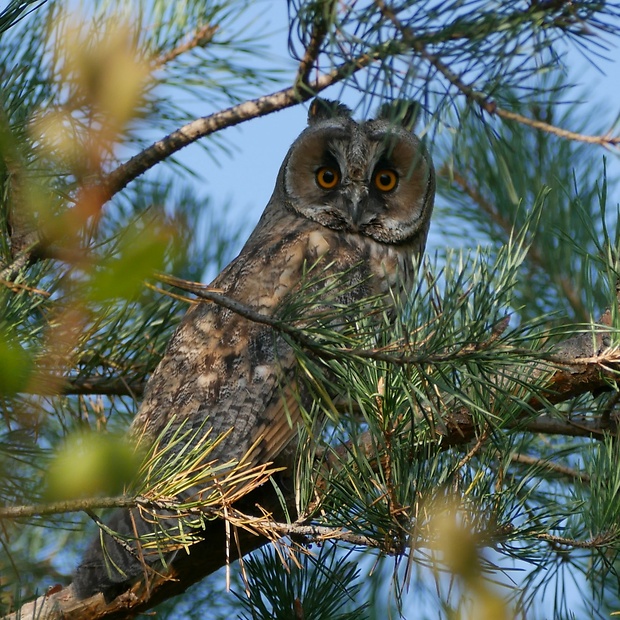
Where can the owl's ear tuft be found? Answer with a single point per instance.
(322, 109)
(400, 112)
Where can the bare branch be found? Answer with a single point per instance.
(482, 100)
(201, 37)
(320, 28)
(74, 505)
(319, 533)
(201, 127)
(548, 425)
(597, 542)
(564, 470)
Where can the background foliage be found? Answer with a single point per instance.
(505, 525)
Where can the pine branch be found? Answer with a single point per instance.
(534, 254)
(52, 385)
(202, 127)
(56, 508)
(200, 38)
(564, 470)
(598, 542)
(90, 199)
(481, 99)
(320, 28)
(318, 533)
(586, 372)
(580, 354)
(583, 363)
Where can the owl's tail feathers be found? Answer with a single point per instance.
(131, 545)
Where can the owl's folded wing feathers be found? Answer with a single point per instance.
(237, 375)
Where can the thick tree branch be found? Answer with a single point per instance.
(91, 198)
(202, 127)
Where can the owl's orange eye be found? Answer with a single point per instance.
(385, 180)
(327, 177)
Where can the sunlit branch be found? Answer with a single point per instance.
(254, 108)
(593, 543)
(564, 470)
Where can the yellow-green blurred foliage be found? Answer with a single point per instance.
(91, 465)
(103, 78)
(458, 550)
(15, 364)
(140, 252)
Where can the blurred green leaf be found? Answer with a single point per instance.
(141, 251)
(15, 364)
(91, 465)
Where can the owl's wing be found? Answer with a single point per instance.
(236, 374)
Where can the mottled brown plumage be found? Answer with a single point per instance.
(354, 197)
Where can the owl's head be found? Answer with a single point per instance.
(374, 178)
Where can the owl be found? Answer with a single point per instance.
(351, 197)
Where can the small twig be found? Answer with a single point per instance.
(313, 49)
(321, 533)
(593, 543)
(525, 459)
(483, 437)
(89, 504)
(16, 287)
(104, 528)
(201, 37)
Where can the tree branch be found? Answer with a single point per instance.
(83, 386)
(74, 505)
(201, 37)
(320, 28)
(481, 99)
(202, 127)
(319, 533)
(564, 470)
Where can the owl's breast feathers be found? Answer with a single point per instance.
(237, 373)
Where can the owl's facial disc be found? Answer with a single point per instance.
(369, 179)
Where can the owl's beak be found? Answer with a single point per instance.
(357, 193)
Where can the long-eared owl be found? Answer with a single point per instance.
(355, 197)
